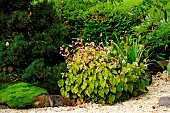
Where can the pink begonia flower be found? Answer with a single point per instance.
(108, 52)
(90, 57)
(121, 37)
(105, 48)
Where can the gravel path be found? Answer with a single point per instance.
(157, 100)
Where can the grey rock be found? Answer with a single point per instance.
(164, 101)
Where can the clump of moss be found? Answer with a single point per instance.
(20, 95)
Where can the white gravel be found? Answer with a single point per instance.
(147, 103)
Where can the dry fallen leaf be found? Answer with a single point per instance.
(140, 106)
(137, 98)
(155, 84)
(154, 105)
(98, 107)
(82, 106)
(166, 79)
(70, 109)
(158, 74)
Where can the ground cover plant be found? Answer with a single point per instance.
(20, 95)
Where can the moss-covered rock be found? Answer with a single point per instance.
(20, 95)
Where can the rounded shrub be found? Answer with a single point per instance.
(20, 95)
(100, 74)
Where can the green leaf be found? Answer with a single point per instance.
(135, 93)
(103, 83)
(106, 90)
(111, 98)
(130, 87)
(74, 72)
(114, 72)
(67, 87)
(101, 92)
(67, 81)
(84, 85)
(125, 87)
(142, 85)
(116, 79)
(102, 101)
(87, 92)
(119, 88)
(105, 74)
(70, 76)
(96, 84)
(62, 91)
(113, 89)
(91, 64)
(60, 83)
(89, 71)
(75, 89)
(66, 95)
(91, 86)
(74, 96)
(79, 81)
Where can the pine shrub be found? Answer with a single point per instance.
(30, 32)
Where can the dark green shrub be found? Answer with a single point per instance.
(20, 95)
(44, 76)
(30, 31)
(98, 21)
(101, 74)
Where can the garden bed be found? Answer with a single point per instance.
(152, 102)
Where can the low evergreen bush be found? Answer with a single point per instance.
(20, 95)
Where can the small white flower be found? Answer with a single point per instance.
(146, 65)
(129, 69)
(123, 61)
(7, 44)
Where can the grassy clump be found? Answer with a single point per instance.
(20, 95)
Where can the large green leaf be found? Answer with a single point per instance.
(113, 89)
(106, 90)
(130, 87)
(84, 85)
(60, 83)
(111, 98)
(119, 88)
(101, 92)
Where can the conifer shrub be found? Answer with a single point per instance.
(20, 95)
(98, 20)
(31, 33)
(101, 74)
